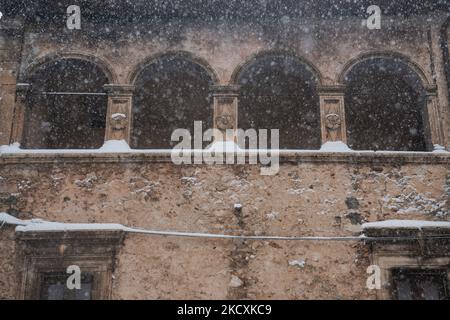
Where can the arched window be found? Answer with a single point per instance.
(66, 108)
(385, 106)
(171, 93)
(280, 92)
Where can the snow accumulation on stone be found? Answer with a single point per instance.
(8, 219)
(335, 146)
(121, 146)
(224, 146)
(115, 146)
(118, 115)
(406, 224)
(42, 225)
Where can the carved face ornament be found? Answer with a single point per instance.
(224, 122)
(332, 121)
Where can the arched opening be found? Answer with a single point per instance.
(280, 92)
(66, 108)
(171, 93)
(385, 107)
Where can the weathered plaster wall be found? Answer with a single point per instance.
(305, 199)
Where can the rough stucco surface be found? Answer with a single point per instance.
(8, 267)
(302, 200)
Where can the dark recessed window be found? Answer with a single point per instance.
(54, 287)
(280, 92)
(385, 107)
(416, 284)
(66, 107)
(171, 93)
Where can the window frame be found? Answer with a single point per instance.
(43, 252)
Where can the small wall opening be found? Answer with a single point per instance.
(385, 107)
(171, 93)
(280, 92)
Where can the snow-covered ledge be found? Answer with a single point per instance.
(406, 224)
(119, 151)
(410, 237)
(411, 244)
(406, 228)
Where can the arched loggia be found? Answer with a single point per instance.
(385, 106)
(66, 107)
(170, 93)
(278, 91)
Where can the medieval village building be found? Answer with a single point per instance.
(86, 175)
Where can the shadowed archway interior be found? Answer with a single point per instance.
(280, 92)
(171, 93)
(385, 107)
(66, 107)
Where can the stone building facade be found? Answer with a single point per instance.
(383, 93)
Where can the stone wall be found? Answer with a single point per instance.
(304, 199)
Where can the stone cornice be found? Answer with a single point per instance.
(155, 156)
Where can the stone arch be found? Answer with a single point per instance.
(265, 53)
(132, 76)
(100, 62)
(386, 55)
(386, 103)
(172, 91)
(278, 90)
(66, 106)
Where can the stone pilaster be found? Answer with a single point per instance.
(332, 114)
(11, 37)
(119, 114)
(22, 90)
(434, 121)
(226, 109)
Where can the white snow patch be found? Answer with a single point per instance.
(335, 146)
(415, 202)
(224, 146)
(438, 148)
(115, 146)
(406, 224)
(190, 180)
(298, 263)
(8, 219)
(42, 225)
(300, 190)
(235, 282)
(39, 225)
(12, 148)
(117, 116)
(272, 215)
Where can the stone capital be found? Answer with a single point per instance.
(119, 89)
(333, 90)
(227, 90)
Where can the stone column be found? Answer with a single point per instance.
(226, 109)
(436, 135)
(22, 90)
(332, 114)
(119, 114)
